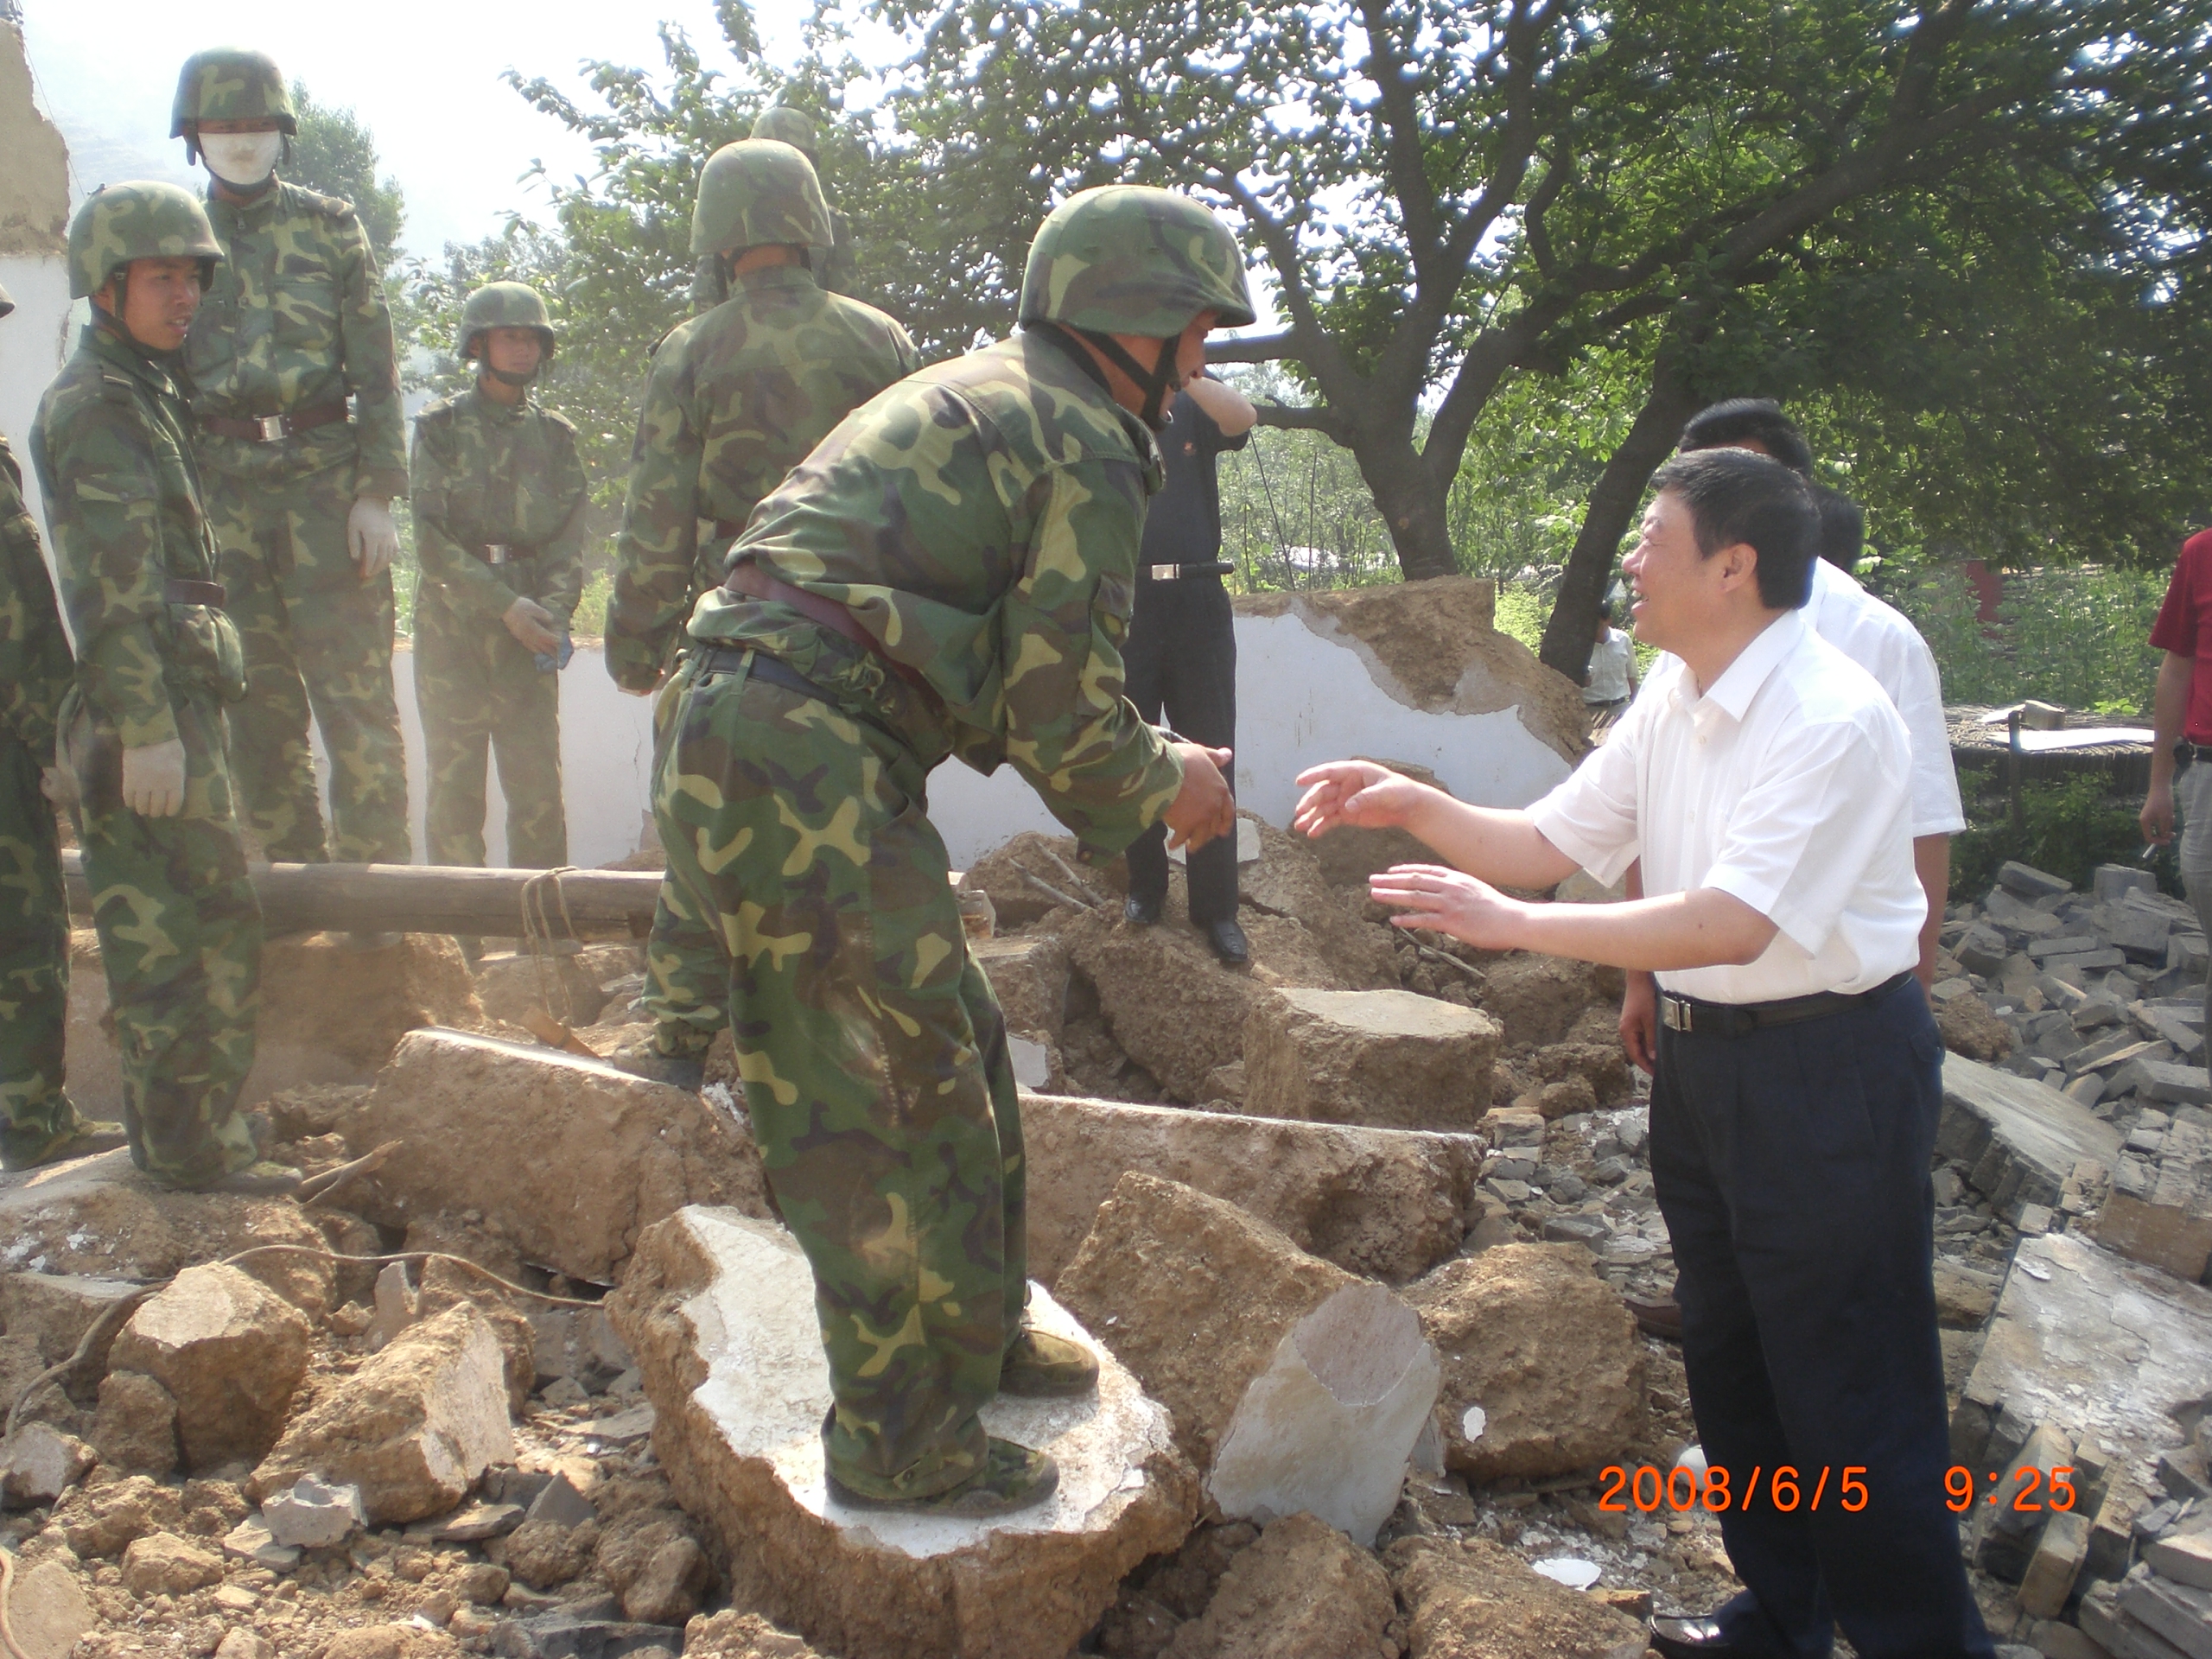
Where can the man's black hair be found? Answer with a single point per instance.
(1760, 420)
(1734, 496)
(1843, 528)
(1605, 610)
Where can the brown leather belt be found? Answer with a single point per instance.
(177, 590)
(749, 579)
(272, 428)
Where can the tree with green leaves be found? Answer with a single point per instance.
(334, 152)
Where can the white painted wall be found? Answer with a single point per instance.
(33, 340)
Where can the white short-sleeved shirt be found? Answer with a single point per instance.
(1610, 659)
(1879, 639)
(1784, 785)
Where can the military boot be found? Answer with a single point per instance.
(86, 1137)
(1012, 1478)
(1041, 1366)
(645, 1059)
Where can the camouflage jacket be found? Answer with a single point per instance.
(34, 663)
(486, 472)
(735, 398)
(981, 520)
(297, 318)
(122, 501)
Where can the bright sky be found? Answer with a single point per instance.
(424, 76)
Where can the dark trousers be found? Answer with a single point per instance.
(1181, 655)
(1792, 1166)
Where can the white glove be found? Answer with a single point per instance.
(58, 784)
(371, 536)
(153, 780)
(534, 626)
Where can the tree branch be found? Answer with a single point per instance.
(1294, 417)
(1253, 348)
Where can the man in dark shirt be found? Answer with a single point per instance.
(1182, 646)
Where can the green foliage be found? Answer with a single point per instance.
(2072, 827)
(334, 153)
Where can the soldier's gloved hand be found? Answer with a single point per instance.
(58, 784)
(153, 780)
(1202, 808)
(371, 537)
(534, 628)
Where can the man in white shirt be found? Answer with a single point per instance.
(1611, 680)
(1761, 779)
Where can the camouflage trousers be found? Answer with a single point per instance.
(34, 1112)
(482, 693)
(180, 942)
(318, 640)
(687, 965)
(873, 1055)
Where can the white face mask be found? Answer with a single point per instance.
(241, 158)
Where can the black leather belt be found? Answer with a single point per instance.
(272, 428)
(2187, 753)
(178, 590)
(1177, 572)
(728, 660)
(1690, 1013)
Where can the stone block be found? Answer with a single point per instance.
(48, 1610)
(2186, 1558)
(230, 1351)
(42, 1464)
(2187, 953)
(1964, 1297)
(2018, 1139)
(2142, 934)
(632, 1152)
(162, 1564)
(313, 1514)
(2190, 1085)
(1475, 1600)
(2026, 882)
(135, 1429)
(2048, 1584)
(2116, 1633)
(2084, 963)
(2169, 1226)
(1387, 1059)
(2110, 882)
(1030, 974)
(1983, 951)
(1386, 1204)
(1292, 1384)
(54, 1310)
(2182, 1615)
(1304, 1591)
(413, 1428)
(719, 1309)
(1543, 1370)
(2063, 944)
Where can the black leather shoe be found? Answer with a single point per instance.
(1140, 913)
(1693, 1638)
(1228, 942)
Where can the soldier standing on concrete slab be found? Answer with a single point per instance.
(832, 264)
(38, 1124)
(949, 573)
(499, 501)
(735, 398)
(1182, 649)
(299, 487)
(141, 730)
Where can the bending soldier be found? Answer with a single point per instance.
(735, 398)
(499, 503)
(299, 488)
(949, 573)
(38, 1124)
(142, 728)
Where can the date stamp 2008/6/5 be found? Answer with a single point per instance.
(1787, 1488)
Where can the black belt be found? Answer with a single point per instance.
(728, 660)
(1177, 572)
(1690, 1013)
(2188, 754)
(177, 590)
(271, 428)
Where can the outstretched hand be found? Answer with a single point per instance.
(1358, 794)
(1447, 901)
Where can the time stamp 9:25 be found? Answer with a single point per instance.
(1683, 1488)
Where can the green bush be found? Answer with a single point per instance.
(2072, 827)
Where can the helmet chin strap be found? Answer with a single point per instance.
(508, 378)
(1154, 382)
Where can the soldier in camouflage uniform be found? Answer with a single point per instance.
(141, 731)
(833, 263)
(298, 487)
(38, 1124)
(735, 398)
(949, 573)
(499, 501)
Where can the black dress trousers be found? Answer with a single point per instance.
(1181, 656)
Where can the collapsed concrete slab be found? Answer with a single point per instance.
(1293, 1384)
(1543, 1372)
(413, 1428)
(1388, 1059)
(630, 1150)
(1030, 976)
(2018, 1139)
(719, 1309)
(229, 1350)
(1474, 1601)
(1385, 1203)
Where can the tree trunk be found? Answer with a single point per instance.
(1573, 628)
(1413, 505)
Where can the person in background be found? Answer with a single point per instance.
(1611, 681)
(2181, 752)
(1181, 653)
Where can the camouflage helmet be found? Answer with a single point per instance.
(755, 191)
(789, 126)
(502, 305)
(140, 220)
(6, 304)
(229, 83)
(1128, 259)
